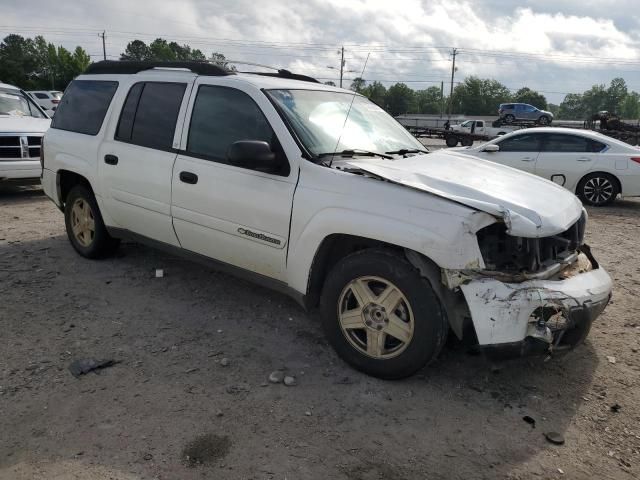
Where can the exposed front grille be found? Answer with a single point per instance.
(504, 253)
(20, 147)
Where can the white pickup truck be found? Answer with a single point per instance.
(482, 128)
(319, 193)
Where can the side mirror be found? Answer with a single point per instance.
(254, 154)
(491, 148)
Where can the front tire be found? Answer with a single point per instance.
(544, 120)
(598, 189)
(381, 316)
(84, 224)
(451, 141)
(509, 118)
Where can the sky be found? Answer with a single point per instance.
(555, 47)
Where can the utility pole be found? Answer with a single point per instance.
(341, 64)
(454, 52)
(441, 99)
(104, 48)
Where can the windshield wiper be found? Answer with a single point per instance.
(404, 151)
(353, 153)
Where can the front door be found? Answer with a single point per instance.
(137, 160)
(518, 151)
(236, 215)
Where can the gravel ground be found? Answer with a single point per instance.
(189, 397)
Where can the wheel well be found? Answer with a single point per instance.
(66, 180)
(332, 249)
(616, 179)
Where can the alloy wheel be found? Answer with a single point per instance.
(375, 317)
(82, 222)
(598, 190)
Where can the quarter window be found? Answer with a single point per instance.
(150, 113)
(222, 116)
(42, 96)
(84, 105)
(521, 143)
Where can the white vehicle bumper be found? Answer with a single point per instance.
(503, 313)
(19, 169)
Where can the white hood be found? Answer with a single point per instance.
(530, 206)
(17, 124)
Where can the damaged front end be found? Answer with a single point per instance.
(534, 295)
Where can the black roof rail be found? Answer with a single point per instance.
(129, 67)
(282, 73)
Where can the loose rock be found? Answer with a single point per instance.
(276, 377)
(555, 438)
(224, 362)
(611, 359)
(290, 381)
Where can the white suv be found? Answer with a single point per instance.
(47, 99)
(22, 126)
(317, 192)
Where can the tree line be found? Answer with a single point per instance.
(35, 64)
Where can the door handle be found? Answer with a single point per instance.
(110, 159)
(188, 177)
(583, 159)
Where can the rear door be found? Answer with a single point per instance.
(518, 151)
(566, 158)
(136, 159)
(236, 215)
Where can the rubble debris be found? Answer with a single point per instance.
(530, 420)
(615, 408)
(555, 438)
(86, 365)
(611, 359)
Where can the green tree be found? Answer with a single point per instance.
(616, 94)
(594, 100)
(630, 108)
(161, 51)
(572, 107)
(526, 95)
(220, 59)
(376, 92)
(429, 100)
(18, 61)
(553, 108)
(477, 96)
(136, 50)
(358, 84)
(400, 99)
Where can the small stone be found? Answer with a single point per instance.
(307, 413)
(290, 381)
(611, 359)
(219, 413)
(159, 273)
(219, 330)
(560, 471)
(276, 377)
(224, 362)
(555, 438)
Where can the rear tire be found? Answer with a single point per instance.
(466, 141)
(451, 141)
(509, 118)
(598, 189)
(544, 120)
(84, 224)
(381, 316)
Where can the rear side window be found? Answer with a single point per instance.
(84, 105)
(150, 113)
(222, 116)
(555, 142)
(521, 143)
(42, 96)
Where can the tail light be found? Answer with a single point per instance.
(635, 159)
(55, 102)
(42, 153)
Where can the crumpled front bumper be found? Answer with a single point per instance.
(504, 314)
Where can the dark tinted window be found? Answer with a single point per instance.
(150, 113)
(84, 105)
(521, 143)
(507, 106)
(42, 96)
(222, 116)
(556, 142)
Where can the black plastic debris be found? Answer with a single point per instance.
(86, 365)
(530, 420)
(555, 438)
(615, 408)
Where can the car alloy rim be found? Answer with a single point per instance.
(375, 317)
(83, 224)
(543, 120)
(598, 190)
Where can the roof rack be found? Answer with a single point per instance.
(282, 73)
(129, 67)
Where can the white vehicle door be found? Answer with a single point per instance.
(136, 158)
(566, 158)
(518, 151)
(239, 216)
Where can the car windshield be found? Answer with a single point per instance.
(327, 122)
(15, 103)
(466, 124)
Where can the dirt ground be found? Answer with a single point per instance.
(172, 408)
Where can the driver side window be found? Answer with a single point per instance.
(521, 143)
(222, 116)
